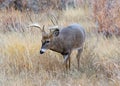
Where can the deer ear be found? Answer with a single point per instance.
(43, 28)
(56, 32)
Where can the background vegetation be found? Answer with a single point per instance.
(22, 65)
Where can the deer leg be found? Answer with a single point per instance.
(66, 65)
(78, 56)
(67, 59)
(69, 62)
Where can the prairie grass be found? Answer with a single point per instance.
(22, 65)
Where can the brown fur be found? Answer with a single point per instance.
(69, 38)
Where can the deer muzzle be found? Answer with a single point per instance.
(42, 51)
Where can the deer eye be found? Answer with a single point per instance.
(47, 41)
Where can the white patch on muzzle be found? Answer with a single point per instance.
(43, 50)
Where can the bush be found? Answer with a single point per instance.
(106, 15)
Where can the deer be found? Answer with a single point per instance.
(63, 41)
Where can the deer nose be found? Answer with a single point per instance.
(41, 52)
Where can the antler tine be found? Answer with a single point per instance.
(56, 20)
(54, 27)
(53, 20)
(43, 29)
(36, 25)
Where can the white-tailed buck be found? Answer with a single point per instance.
(64, 41)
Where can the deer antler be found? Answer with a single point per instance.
(53, 19)
(52, 29)
(38, 26)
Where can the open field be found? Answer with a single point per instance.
(22, 65)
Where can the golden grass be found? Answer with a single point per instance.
(22, 65)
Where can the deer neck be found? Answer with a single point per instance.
(56, 45)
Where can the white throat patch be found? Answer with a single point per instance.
(65, 58)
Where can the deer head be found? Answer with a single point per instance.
(47, 38)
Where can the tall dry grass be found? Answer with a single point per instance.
(22, 65)
(106, 14)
